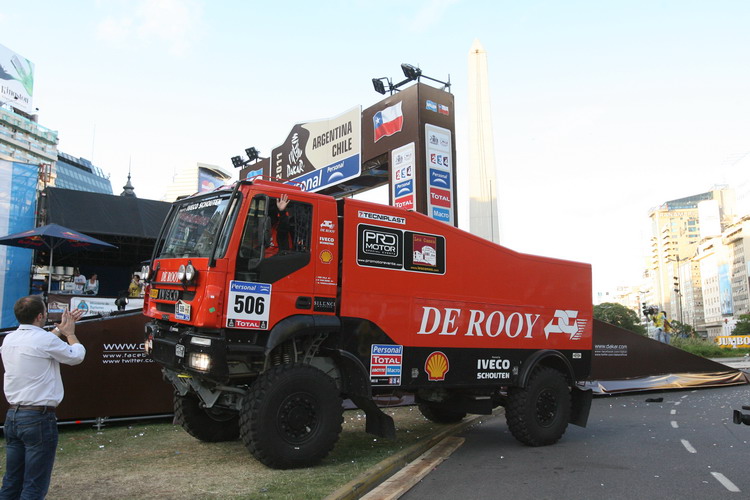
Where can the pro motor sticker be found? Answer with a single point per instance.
(249, 305)
(385, 364)
(390, 248)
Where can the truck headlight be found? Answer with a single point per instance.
(199, 361)
(190, 272)
(181, 272)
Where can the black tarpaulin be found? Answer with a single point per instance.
(105, 214)
(623, 361)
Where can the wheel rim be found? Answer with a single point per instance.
(546, 407)
(298, 418)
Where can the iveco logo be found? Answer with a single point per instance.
(168, 277)
(377, 243)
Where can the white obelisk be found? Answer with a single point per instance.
(483, 214)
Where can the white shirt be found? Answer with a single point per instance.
(32, 358)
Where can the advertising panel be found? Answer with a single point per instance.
(322, 153)
(725, 290)
(403, 188)
(209, 179)
(16, 80)
(439, 166)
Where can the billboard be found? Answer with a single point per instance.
(16, 80)
(320, 154)
(210, 179)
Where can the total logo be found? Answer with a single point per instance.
(436, 365)
(566, 321)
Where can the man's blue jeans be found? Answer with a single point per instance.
(30, 446)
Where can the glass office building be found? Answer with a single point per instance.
(80, 174)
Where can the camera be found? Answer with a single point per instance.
(741, 418)
(649, 310)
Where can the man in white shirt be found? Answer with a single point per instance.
(33, 387)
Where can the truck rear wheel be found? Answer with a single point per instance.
(440, 414)
(538, 414)
(209, 425)
(291, 417)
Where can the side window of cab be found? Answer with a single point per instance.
(275, 240)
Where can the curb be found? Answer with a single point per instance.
(371, 478)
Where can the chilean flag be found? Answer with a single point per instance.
(388, 121)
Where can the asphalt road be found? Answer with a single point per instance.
(685, 447)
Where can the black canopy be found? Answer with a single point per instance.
(105, 214)
(131, 224)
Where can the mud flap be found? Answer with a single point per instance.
(377, 423)
(580, 406)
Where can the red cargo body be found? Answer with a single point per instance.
(263, 330)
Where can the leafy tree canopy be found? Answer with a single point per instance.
(743, 325)
(619, 315)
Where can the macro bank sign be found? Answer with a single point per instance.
(16, 80)
(320, 154)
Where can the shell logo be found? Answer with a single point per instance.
(326, 256)
(436, 366)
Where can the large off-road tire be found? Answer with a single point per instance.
(209, 425)
(291, 417)
(440, 414)
(538, 414)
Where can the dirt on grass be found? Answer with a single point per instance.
(160, 460)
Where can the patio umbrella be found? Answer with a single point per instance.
(53, 236)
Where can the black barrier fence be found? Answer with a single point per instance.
(116, 380)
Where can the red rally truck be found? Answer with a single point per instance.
(269, 305)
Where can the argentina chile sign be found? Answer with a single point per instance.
(320, 154)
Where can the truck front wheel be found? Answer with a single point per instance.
(209, 425)
(538, 414)
(291, 417)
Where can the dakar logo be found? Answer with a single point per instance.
(436, 366)
(566, 323)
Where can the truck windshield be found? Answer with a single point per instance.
(193, 230)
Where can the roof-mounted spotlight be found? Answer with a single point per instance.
(379, 86)
(252, 154)
(411, 72)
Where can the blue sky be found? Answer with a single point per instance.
(601, 109)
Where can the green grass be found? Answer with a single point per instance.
(160, 460)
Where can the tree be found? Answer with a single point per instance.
(619, 315)
(742, 327)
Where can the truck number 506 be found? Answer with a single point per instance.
(249, 304)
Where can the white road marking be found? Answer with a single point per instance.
(673, 412)
(674, 424)
(688, 446)
(725, 482)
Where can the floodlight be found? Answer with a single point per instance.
(237, 162)
(379, 86)
(252, 154)
(411, 72)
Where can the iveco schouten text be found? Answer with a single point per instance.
(270, 305)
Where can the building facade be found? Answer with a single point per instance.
(199, 178)
(23, 140)
(678, 226)
(79, 174)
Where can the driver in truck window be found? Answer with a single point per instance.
(277, 233)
